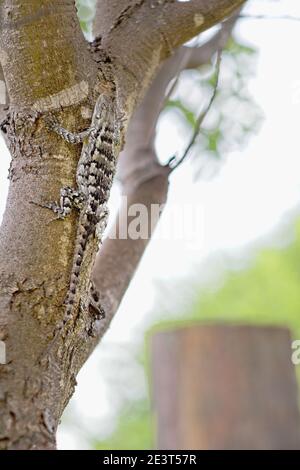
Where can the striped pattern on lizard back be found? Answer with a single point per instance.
(95, 172)
(94, 177)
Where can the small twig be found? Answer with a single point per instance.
(200, 119)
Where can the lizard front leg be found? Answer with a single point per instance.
(68, 136)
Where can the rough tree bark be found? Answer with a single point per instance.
(47, 67)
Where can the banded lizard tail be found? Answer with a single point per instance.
(94, 177)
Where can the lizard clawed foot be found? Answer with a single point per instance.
(94, 304)
(69, 198)
(61, 214)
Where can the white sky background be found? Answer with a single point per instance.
(246, 201)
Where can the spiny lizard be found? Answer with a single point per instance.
(94, 176)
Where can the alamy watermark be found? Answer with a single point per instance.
(2, 352)
(296, 354)
(140, 221)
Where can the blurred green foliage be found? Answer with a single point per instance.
(267, 293)
(135, 430)
(234, 116)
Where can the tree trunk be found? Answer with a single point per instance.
(225, 387)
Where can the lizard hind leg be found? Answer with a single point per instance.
(102, 222)
(69, 198)
(94, 303)
(72, 196)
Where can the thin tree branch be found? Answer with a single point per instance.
(173, 163)
(158, 28)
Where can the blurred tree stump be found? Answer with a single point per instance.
(225, 387)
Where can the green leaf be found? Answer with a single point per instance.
(213, 140)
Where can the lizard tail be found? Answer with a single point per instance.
(84, 231)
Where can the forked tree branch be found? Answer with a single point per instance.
(144, 180)
(151, 31)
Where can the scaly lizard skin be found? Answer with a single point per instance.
(94, 177)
